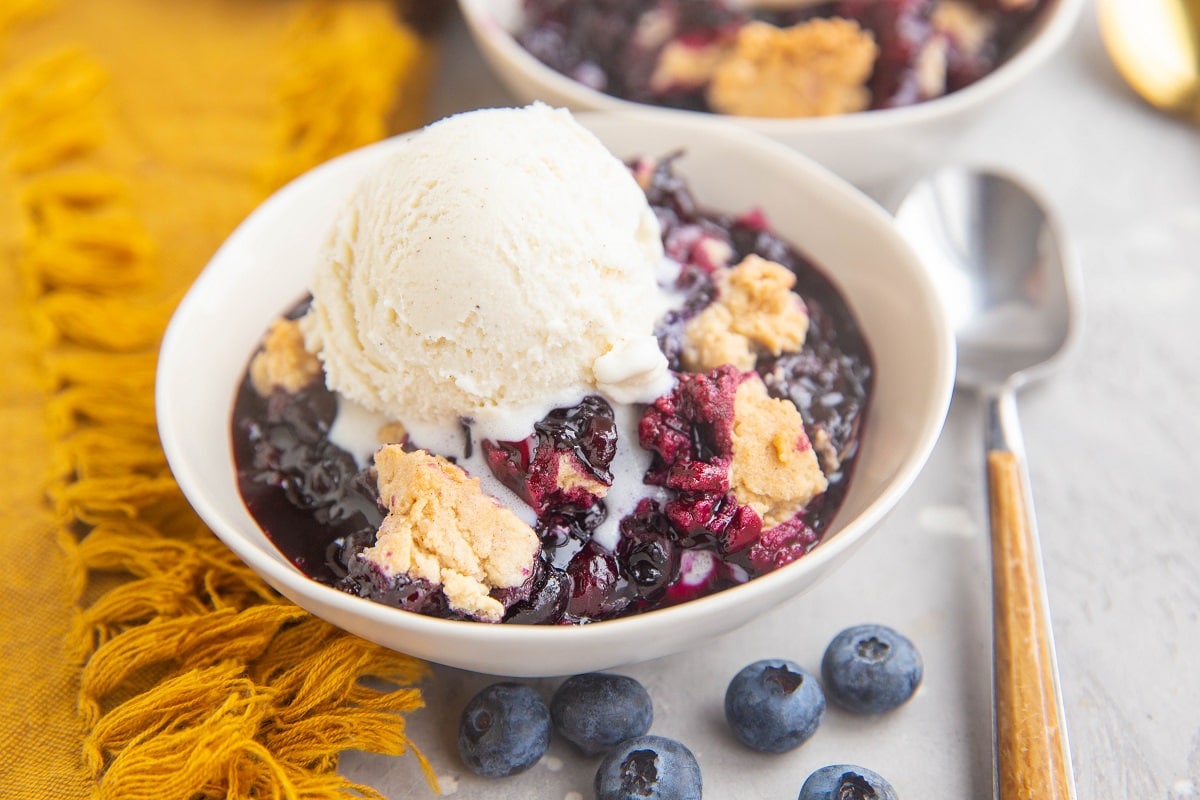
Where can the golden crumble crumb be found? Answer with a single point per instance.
(570, 476)
(755, 309)
(827, 454)
(443, 528)
(969, 27)
(774, 469)
(759, 294)
(686, 65)
(710, 341)
(654, 28)
(715, 251)
(930, 67)
(392, 433)
(815, 68)
(643, 172)
(283, 362)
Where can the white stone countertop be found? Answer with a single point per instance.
(1111, 441)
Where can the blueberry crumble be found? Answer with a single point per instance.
(776, 58)
(740, 466)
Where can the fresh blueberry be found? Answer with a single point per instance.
(649, 768)
(871, 668)
(504, 730)
(774, 705)
(597, 711)
(846, 782)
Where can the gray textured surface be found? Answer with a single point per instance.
(1111, 444)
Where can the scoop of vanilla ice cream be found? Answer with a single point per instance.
(501, 264)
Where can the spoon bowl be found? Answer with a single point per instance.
(999, 262)
(1010, 289)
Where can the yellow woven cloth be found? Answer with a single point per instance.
(138, 657)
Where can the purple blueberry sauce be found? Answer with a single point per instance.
(321, 510)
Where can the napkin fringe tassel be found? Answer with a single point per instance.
(197, 679)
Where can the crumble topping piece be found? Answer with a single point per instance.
(815, 68)
(571, 476)
(283, 362)
(969, 28)
(683, 64)
(713, 253)
(654, 28)
(774, 469)
(643, 172)
(740, 461)
(930, 66)
(827, 454)
(392, 433)
(709, 340)
(755, 309)
(443, 528)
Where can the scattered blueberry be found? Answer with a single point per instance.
(649, 768)
(846, 782)
(774, 705)
(504, 730)
(597, 711)
(871, 668)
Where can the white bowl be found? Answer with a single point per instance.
(265, 266)
(870, 148)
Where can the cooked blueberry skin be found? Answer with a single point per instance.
(846, 782)
(504, 730)
(774, 705)
(870, 669)
(597, 711)
(649, 768)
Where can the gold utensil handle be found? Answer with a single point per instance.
(1032, 759)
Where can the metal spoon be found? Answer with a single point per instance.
(1010, 288)
(1155, 45)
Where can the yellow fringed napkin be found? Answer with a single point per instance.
(138, 657)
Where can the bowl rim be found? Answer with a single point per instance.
(293, 583)
(1052, 31)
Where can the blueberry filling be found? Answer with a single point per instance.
(617, 47)
(691, 539)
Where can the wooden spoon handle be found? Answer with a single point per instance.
(1032, 759)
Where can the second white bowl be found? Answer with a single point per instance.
(869, 148)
